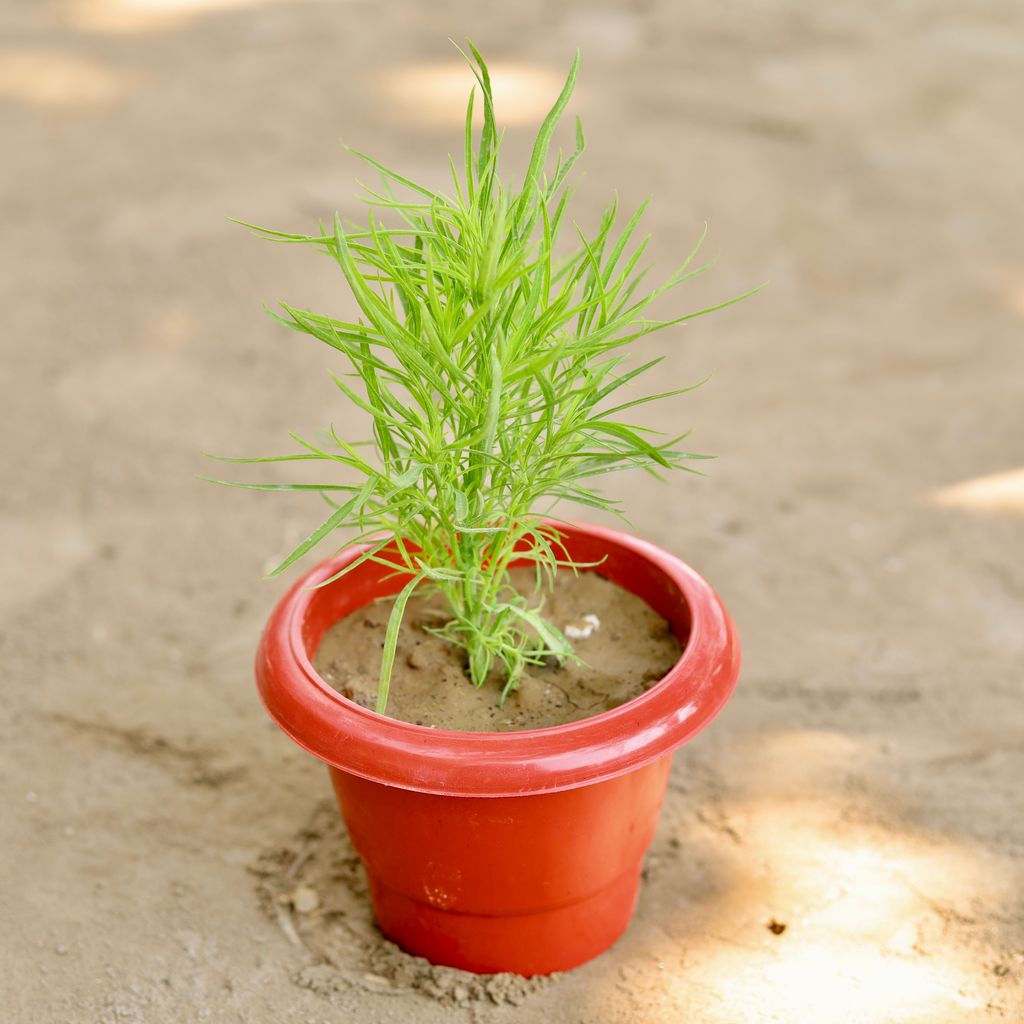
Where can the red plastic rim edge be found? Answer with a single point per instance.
(501, 764)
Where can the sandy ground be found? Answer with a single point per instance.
(861, 794)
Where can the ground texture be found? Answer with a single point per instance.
(846, 842)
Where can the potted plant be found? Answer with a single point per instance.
(489, 358)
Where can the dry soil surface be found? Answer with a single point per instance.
(624, 647)
(845, 844)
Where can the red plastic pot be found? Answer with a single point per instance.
(515, 851)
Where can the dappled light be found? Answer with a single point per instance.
(49, 78)
(437, 92)
(804, 893)
(830, 983)
(174, 328)
(996, 492)
(1015, 298)
(145, 15)
(820, 918)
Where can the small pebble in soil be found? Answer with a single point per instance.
(356, 691)
(589, 625)
(305, 900)
(776, 927)
(418, 658)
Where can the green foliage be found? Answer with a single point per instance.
(490, 369)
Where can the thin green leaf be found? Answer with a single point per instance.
(326, 527)
(387, 658)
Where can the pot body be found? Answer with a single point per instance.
(527, 884)
(517, 851)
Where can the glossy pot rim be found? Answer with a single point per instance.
(501, 764)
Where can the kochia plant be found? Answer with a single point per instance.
(490, 368)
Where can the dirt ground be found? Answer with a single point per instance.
(846, 843)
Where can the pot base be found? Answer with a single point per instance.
(524, 885)
(526, 944)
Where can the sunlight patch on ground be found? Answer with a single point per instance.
(147, 15)
(827, 874)
(998, 492)
(1015, 298)
(830, 983)
(49, 79)
(810, 897)
(174, 328)
(438, 92)
(830, 921)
